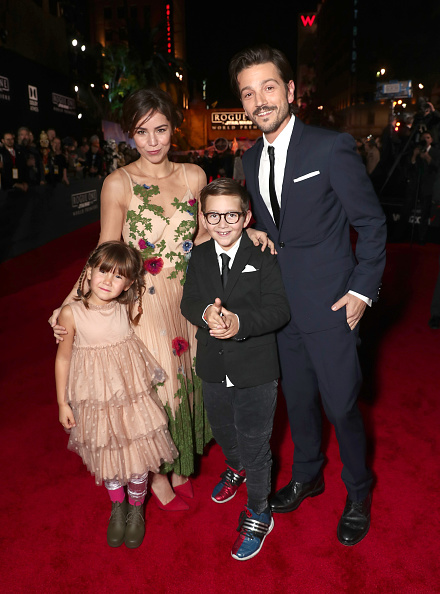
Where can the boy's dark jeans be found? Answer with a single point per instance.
(241, 420)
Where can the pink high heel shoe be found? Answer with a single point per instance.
(185, 490)
(176, 504)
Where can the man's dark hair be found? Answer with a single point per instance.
(225, 186)
(253, 56)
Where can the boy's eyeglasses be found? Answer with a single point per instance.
(213, 218)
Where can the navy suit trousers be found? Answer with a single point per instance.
(324, 363)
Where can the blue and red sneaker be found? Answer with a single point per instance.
(253, 529)
(228, 486)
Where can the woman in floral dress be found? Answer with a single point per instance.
(153, 204)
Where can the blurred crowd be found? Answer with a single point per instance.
(226, 163)
(404, 166)
(403, 161)
(388, 158)
(26, 161)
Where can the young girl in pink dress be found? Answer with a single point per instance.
(104, 378)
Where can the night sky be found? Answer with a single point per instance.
(406, 41)
(217, 30)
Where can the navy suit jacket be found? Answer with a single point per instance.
(325, 190)
(256, 294)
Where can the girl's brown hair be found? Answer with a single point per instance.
(126, 261)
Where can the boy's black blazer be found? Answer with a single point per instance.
(254, 292)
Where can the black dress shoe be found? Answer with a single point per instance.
(292, 495)
(355, 521)
(434, 322)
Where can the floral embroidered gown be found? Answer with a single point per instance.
(166, 244)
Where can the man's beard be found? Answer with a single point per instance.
(272, 126)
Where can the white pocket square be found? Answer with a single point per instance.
(311, 174)
(249, 268)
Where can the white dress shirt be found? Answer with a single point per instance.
(232, 252)
(281, 146)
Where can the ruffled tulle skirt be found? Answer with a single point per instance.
(121, 426)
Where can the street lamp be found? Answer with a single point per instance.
(74, 42)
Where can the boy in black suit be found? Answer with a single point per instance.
(234, 293)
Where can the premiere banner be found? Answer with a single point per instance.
(34, 96)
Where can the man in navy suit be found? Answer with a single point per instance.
(308, 185)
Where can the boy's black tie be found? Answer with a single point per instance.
(225, 268)
(272, 193)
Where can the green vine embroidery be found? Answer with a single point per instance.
(140, 225)
(189, 429)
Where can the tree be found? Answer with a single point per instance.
(139, 63)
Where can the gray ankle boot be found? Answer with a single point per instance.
(117, 524)
(135, 530)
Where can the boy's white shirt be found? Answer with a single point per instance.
(232, 252)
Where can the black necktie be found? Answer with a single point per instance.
(225, 268)
(272, 193)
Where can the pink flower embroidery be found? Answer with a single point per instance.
(192, 201)
(142, 244)
(153, 265)
(180, 345)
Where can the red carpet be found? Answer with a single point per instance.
(54, 518)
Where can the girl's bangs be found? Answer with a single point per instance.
(110, 262)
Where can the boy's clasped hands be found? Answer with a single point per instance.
(222, 322)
